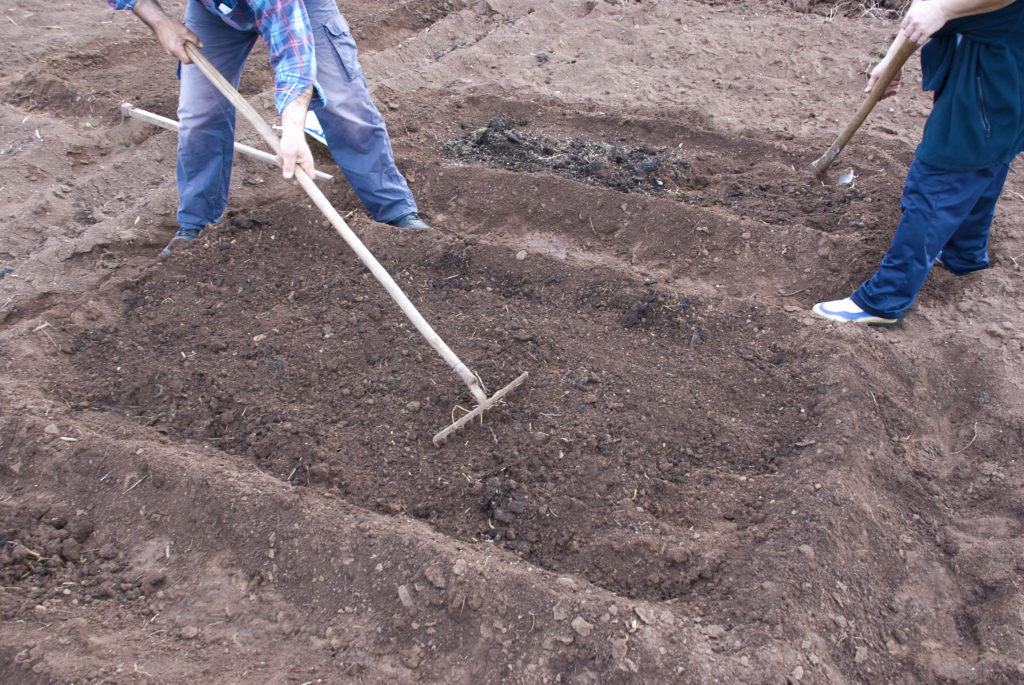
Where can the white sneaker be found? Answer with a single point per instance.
(847, 311)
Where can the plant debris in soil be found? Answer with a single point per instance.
(505, 143)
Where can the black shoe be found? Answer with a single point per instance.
(181, 239)
(411, 220)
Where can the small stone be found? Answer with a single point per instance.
(411, 657)
(620, 648)
(81, 530)
(17, 553)
(582, 628)
(677, 555)
(521, 255)
(459, 567)
(405, 597)
(71, 550)
(189, 632)
(436, 577)
(559, 613)
(798, 673)
(645, 614)
(715, 631)
(154, 579)
(319, 473)
(807, 551)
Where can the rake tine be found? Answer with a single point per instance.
(441, 437)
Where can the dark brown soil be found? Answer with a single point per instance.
(219, 468)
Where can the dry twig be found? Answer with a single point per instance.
(973, 438)
(137, 483)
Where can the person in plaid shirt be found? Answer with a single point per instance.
(315, 65)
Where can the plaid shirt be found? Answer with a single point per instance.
(286, 30)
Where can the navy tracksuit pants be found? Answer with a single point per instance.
(944, 212)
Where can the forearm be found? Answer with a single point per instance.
(926, 17)
(294, 113)
(294, 148)
(151, 14)
(171, 33)
(954, 9)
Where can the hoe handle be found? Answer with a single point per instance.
(822, 164)
(321, 201)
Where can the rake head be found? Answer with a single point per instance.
(485, 403)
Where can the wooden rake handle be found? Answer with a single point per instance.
(321, 201)
(822, 164)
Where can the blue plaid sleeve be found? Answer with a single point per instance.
(122, 4)
(285, 27)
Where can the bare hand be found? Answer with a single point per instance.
(923, 19)
(294, 148)
(171, 34)
(173, 39)
(894, 84)
(295, 151)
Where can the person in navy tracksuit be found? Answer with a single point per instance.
(973, 58)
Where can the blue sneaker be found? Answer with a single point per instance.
(181, 239)
(847, 311)
(410, 220)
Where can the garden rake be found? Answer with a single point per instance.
(471, 380)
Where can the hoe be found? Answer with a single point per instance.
(821, 165)
(471, 380)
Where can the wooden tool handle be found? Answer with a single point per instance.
(130, 110)
(822, 164)
(321, 201)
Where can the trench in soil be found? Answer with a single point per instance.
(649, 401)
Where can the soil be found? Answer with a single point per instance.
(218, 468)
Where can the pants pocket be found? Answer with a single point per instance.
(344, 46)
(981, 108)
